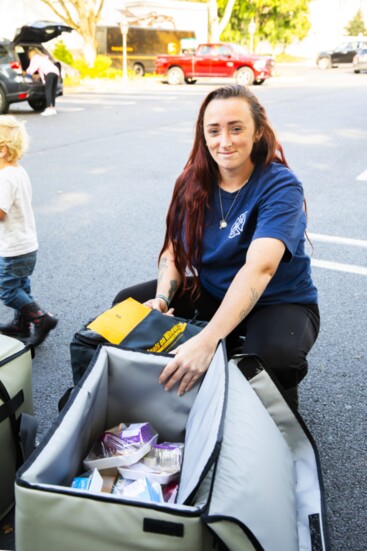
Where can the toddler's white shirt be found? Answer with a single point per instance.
(18, 229)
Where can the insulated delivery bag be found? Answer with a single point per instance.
(249, 480)
(16, 415)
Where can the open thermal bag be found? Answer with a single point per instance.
(250, 477)
(18, 426)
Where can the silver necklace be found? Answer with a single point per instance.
(223, 223)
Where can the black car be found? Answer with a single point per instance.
(343, 53)
(14, 85)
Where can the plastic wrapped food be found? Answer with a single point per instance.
(121, 445)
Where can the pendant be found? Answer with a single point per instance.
(223, 224)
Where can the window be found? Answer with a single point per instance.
(3, 53)
(221, 50)
(204, 50)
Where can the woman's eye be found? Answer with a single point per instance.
(213, 132)
(236, 129)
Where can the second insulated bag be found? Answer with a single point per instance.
(132, 325)
(18, 426)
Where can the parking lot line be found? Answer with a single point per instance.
(363, 176)
(339, 267)
(338, 240)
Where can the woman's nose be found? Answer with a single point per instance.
(225, 139)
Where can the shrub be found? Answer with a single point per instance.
(71, 80)
(287, 58)
(61, 53)
(102, 67)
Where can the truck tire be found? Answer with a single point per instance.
(190, 80)
(4, 104)
(175, 75)
(38, 104)
(139, 69)
(245, 76)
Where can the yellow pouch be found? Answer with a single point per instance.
(117, 322)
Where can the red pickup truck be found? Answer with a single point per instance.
(215, 60)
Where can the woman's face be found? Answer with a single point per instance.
(229, 131)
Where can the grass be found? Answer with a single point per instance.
(286, 58)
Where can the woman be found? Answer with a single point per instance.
(49, 74)
(237, 222)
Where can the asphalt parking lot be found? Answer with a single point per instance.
(102, 174)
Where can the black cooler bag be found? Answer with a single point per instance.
(131, 325)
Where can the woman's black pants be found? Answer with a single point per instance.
(280, 334)
(50, 89)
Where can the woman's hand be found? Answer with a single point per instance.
(159, 304)
(191, 361)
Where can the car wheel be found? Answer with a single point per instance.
(245, 76)
(357, 71)
(190, 80)
(38, 104)
(324, 63)
(4, 104)
(139, 70)
(175, 75)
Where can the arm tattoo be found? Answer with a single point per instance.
(162, 268)
(173, 288)
(163, 265)
(253, 300)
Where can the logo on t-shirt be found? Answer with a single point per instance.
(238, 226)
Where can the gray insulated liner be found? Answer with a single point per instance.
(250, 476)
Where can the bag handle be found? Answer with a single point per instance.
(8, 410)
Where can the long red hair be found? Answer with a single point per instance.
(199, 178)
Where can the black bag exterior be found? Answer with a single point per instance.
(147, 335)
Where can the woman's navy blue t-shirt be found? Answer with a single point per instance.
(269, 205)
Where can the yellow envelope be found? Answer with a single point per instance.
(119, 321)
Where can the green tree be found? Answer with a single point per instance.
(277, 21)
(356, 25)
(83, 16)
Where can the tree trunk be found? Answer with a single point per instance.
(89, 51)
(88, 32)
(213, 21)
(226, 16)
(216, 26)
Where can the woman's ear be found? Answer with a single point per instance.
(258, 135)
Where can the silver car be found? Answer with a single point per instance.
(360, 60)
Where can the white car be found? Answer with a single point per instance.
(360, 60)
